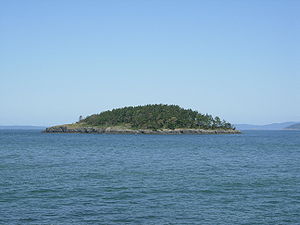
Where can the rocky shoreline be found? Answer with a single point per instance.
(109, 130)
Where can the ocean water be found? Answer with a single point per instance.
(249, 178)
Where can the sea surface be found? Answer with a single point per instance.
(248, 178)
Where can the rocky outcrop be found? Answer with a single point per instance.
(109, 130)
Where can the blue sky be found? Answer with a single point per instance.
(60, 59)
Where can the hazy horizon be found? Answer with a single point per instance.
(235, 59)
(47, 125)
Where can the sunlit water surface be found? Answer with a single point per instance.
(251, 178)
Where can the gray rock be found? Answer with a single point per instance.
(110, 130)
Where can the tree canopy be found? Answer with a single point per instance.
(156, 116)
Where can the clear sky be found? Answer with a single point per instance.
(60, 59)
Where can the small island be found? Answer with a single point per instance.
(148, 119)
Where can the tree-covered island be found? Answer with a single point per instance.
(148, 119)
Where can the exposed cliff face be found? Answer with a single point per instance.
(109, 130)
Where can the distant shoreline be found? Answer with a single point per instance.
(112, 130)
(22, 127)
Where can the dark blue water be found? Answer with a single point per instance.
(251, 178)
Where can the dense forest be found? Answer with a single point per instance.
(154, 117)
